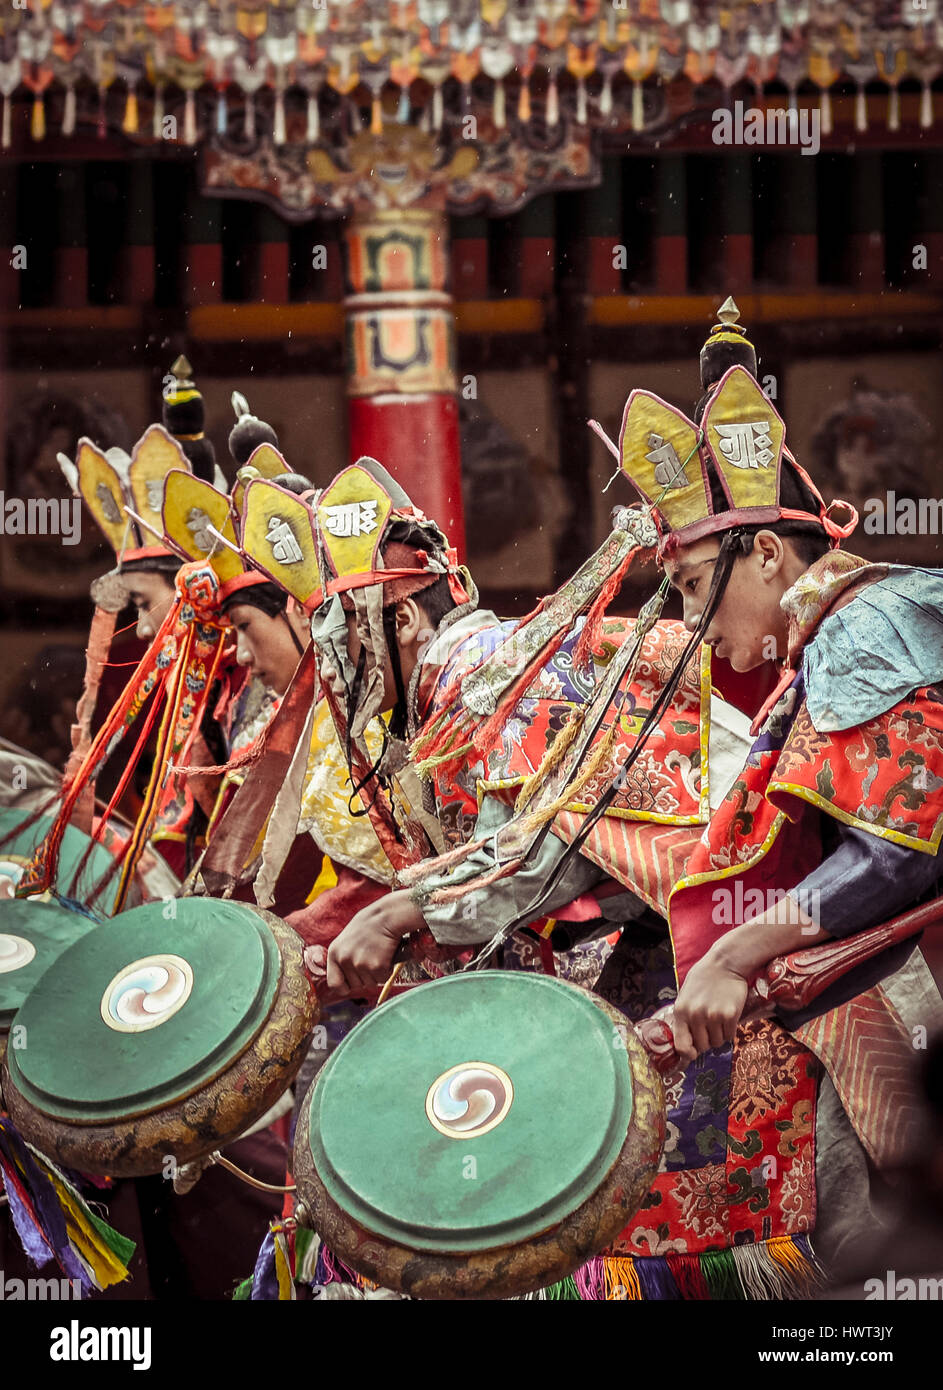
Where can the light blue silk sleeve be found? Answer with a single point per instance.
(871, 654)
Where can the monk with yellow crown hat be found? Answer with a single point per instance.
(827, 824)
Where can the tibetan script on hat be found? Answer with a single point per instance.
(746, 445)
(155, 493)
(281, 538)
(108, 504)
(351, 518)
(198, 524)
(669, 470)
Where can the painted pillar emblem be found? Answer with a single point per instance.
(400, 322)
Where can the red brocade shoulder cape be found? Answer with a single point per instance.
(878, 777)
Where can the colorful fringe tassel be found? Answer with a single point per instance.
(53, 1221)
(275, 1273)
(775, 1270)
(508, 671)
(272, 1279)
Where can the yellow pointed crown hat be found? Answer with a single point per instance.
(202, 523)
(727, 472)
(336, 540)
(113, 485)
(278, 538)
(354, 518)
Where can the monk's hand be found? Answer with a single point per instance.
(708, 1007)
(362, 956)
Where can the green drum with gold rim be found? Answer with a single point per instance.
(32, 935)
(479, 1137)
(160, 1034)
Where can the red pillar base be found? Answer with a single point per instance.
(273, 272)
(604, 276)
(137, 276)
(536, 273)
(9, 285)
(470, 268)
(417, 440)
(932, 276)
(800, 258)
(736, 260)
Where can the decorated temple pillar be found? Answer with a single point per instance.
(400, 333)
(395, 186)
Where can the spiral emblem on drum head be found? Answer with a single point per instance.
(146, 993)
(469, 1099)
(15, 952)
(11, 871)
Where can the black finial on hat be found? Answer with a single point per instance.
(248, 432)
(727, 346)
(183, 415)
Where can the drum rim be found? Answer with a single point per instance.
(268, 986)
(37, 830)
(188, 1130)
(563, 1197)
(41, 908)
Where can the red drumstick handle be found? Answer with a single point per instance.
(794, 980)
(658, 1039)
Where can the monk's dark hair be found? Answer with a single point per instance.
(268, 597)
(164, 565)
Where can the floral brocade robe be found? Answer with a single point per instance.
(738, 1165)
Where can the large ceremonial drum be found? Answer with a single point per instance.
(32, 935)
(479, 1137)
(152, 1039)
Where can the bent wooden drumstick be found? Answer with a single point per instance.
(794, 980)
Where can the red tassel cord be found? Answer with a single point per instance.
(150, 675)
(591, 635)
(163, 667)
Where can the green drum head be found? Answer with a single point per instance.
(32, 935)
(15, 855)
(143, 1011)
(472, 1112)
